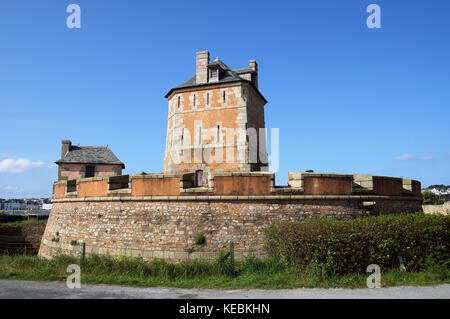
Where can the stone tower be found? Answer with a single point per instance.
(216, 121)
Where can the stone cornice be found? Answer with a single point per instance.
(234, 198)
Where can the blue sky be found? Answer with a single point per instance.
(346, 98)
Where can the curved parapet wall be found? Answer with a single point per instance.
(160, 215)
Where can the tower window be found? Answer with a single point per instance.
(194, 100)
(207, 98)
(179, 100)
(218, 133)
(213, 74)
(198, 178)
(224, 97)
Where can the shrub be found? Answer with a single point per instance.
(199, 239)
(344, 247)
(430, 198)
(7, 218)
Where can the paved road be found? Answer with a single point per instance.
(38, 289)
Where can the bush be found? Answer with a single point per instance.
(199, 239)
(430, 198)
(334, 247)
(7, 218)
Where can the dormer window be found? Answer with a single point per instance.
(213, 74)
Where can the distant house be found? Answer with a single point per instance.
(87, 161)
(13, 204)
(32, 205)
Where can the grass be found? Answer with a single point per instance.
(251, 273)
(20, 223)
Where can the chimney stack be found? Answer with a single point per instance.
(252, 65)
(201, 67)
(65, 147)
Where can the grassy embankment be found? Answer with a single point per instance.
(251, 273)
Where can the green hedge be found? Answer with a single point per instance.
(430, 198)
(7, 218)
(349, 246)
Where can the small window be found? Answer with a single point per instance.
(213, 73)
(198, 178)
(182, 135)
(224, 97)
(179, 102)
(200, 135)
(90, 171)
(218, 133)
(194, 100)
(207, 98)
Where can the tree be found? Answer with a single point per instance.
(430, 198)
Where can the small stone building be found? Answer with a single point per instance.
(87, 161)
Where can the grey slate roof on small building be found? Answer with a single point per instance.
(90, 155)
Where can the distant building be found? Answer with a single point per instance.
(32, 204)
(13, 204)
(87, 161)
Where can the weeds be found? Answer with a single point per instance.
(220, 273)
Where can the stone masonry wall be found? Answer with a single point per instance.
(437, 209)
(166, 228)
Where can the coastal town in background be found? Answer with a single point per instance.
(22, 205)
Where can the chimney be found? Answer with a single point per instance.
(65, 147)
(201, 67)
(252, 65)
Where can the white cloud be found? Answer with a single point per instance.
(19, 165)
(410, 157)
(11, 188)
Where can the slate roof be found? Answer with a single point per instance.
(227, 75)
(90, 155)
